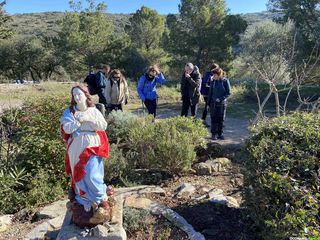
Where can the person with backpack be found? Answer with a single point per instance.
(204, 90)
(190, 89)
(97, 82)
(116, 91)
(147, 88)
(217, 100)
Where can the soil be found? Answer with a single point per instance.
(159, 229)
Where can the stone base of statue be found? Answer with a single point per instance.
(103, 223)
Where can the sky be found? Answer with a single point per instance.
(127, 6)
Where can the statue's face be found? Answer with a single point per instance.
(79, 96)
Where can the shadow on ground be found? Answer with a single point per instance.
(218, 222)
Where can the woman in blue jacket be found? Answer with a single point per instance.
(217, 100)
(147, 88)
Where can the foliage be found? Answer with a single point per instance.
(200, 23)
(44, 188)
(282, 176)
(33, 172)
(11, 182)
(272, 49)
(83, 36)
(135, 220)
(30, 56)
(146, 32)
(5, 31)
(138, 142)
(116, 166)
(119, 124)
(305, 15)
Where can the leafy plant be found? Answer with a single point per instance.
(282, 176)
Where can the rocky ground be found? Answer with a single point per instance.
(208, 197)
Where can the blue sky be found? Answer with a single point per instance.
(127, 6)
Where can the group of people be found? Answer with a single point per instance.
(83, 128)
(214, 86)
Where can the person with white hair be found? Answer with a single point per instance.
(190, 89)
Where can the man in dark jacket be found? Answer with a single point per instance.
(190, 89)
(217, 100)
(101, 81)
(204, 90)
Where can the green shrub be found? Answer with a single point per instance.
(33, 133)
(118, 125)
(116, 166)
(168, 145)
(282, 179)
(38, 136)
(135, 220)
(11, 195)
(43, 189)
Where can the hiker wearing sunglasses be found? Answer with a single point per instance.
(116, 92)
(147, 88)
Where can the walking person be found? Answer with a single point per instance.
(116, 91)
(217, 100)
(147, 88)
(190, 89)
(101, 81)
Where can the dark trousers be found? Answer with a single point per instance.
(205, 110)
(115, 107)
(151, 105)
(218, 114)
(186, 104)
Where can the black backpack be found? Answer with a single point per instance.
(91, 81)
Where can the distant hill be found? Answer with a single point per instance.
(45, 23)
(29, 24)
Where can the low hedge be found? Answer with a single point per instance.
(281, 188)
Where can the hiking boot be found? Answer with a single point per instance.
(214, 137)
(221, 137)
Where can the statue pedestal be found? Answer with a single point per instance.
(108, 231)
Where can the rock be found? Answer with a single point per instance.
(219, 199)
(57, 222)
(100, 231)
(54, 210)
(218, 164)
(118, 234)
(185, 190)
(203, 169)
(216, 196)
(39, 232)
(5, 222)
(214, 192)
(232, 202)
(137, 202)
(140, 191)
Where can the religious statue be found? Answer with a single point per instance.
(83, 129)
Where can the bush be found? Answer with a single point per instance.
(118, 125)
(33, 170)
(282, 179)
(135, 220)
(166, 145)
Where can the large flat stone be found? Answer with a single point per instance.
(5, 222)
(54, 210)
(139, 190)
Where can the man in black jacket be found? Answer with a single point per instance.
(190, 89)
